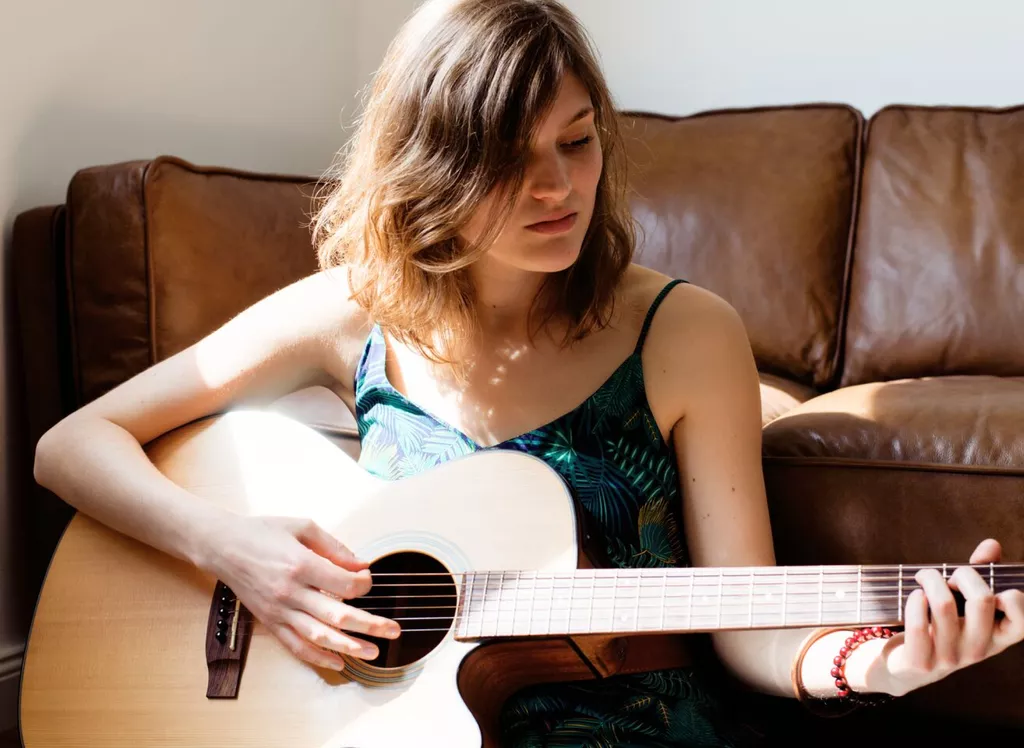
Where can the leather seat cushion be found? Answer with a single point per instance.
(973, 423)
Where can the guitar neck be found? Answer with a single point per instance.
(631, 601)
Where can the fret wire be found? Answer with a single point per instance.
(899, 603)
(614, 599)
(483, 601)
(551, 607)
(497, 598)
(533, 604)
(515, 604)
(720, 575)
(784, 590)
(821, 597)
(636, 610)
(568, 624)
(750, 608)
(664, 589)
(503, 594)
(860, 571)
(467, 596)
(991, 576)
(591, 596)
(689, 609)
(487, 579)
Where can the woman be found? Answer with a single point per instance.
(476, 282)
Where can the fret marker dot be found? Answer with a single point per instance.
(840, 594)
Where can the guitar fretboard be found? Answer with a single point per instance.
(609, 601)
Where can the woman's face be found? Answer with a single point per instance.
(545, 231)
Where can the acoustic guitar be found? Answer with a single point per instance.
(480, 560)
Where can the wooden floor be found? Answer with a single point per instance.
(10, 739)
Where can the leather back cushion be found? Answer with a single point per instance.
(756, 206)
(162, 252)
(937, 286)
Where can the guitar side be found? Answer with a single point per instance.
(116, 652)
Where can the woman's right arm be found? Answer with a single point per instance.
(305, 334)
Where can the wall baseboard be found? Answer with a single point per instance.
(10, 677)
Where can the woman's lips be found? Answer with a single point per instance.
(554, 227)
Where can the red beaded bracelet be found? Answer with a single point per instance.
(852, 642)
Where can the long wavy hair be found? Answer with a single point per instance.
(448, 121)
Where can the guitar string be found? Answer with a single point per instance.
(683, 574)
(833, 607)
(706, 571)
(653, 582)
(869, 588)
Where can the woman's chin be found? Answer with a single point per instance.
(551, 260)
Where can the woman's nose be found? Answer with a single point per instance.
(549, 179)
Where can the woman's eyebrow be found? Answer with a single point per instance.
(580, 114)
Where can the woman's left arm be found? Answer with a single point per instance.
(712, 383)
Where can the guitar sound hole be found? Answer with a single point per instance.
(417, 592)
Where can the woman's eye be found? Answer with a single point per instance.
(578, 144)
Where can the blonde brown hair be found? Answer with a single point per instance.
(448, 121)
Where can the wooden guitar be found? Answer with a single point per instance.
(479, 560)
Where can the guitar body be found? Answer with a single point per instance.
(117, 651)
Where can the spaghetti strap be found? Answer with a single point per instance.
(654, 307)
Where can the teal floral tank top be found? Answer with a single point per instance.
(624, 477)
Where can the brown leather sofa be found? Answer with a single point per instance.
(878, 265)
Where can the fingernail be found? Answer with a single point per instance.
(394, 631)
(369, 653)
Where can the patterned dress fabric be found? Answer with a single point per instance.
(624, 476)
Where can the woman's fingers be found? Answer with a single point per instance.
(1010, 630)
(979, 614)
(322, 636)
(917, 642)
(305, 651)
(989, 551)
(945, 619)
(317, 539)
(342, 616)
(316, 571)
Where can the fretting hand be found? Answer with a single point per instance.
(927, 651)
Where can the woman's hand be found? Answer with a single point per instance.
(928, 651)
(281, 569)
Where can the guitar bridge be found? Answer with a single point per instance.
(228, 630)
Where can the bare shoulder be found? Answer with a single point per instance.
(697, 349)
(687, 309)
(322, 304)
(327, 296)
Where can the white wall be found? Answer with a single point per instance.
(266, 84)
(683, 56)
(255, 84)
